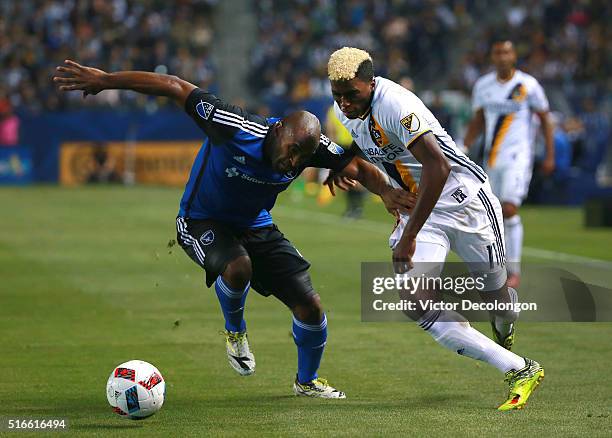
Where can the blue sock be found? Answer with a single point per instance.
(232, 304)
(310, 341)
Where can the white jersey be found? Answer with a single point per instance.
(508, 110)
(385, 134)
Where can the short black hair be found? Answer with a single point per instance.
(500, 38)
(365, 72)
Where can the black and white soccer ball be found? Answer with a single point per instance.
(136, 389)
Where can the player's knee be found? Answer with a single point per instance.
(310, 310)
(238, 272)
(509, 210)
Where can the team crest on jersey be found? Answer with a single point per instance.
(411, 122)
(204, 109)
(208, 237)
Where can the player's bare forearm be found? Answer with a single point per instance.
(395, 200)
(474, 129)
(548, 166)
(150, 83)
(92, 80)
(433, 178)
(368, 175)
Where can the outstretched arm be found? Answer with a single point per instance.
(92, 80)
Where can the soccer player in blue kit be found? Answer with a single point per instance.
(224, 222)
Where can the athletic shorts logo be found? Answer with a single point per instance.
(335, 149)
(231, 172)
(204, 109)
(208, 237)
(290, 175)
(411, 122)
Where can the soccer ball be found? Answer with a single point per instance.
(136, 389)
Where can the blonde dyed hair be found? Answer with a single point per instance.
(344, 63)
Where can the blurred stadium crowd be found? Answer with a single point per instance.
(37, 35)
(431, 46)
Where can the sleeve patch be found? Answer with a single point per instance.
(204, 109)
(335, 149)
(411, 122)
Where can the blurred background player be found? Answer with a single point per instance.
(455, 210)
(504, 102)
(355, 194)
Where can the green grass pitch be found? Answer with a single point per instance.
(87, 281)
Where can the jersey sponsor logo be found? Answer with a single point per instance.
(240, 159)
(335, 149)
(411, 122)
(231, 172)
(507, 107)
(390, 153)
(204, 109)
(208, 237)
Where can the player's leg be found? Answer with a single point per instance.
(227, 264)
(483, 251)
(449, 328)
(514, 188)
(513, 228)
(280, 270)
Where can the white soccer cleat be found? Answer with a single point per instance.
(238, 353)
(317, 388)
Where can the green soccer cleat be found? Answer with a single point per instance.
(238, 353)
(316, 388)
(505, 341)
(522, 383)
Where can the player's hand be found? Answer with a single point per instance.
(78, 77)
(398, 201)
(548, 166)
(402, 255)
(342, 182)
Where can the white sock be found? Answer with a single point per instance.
(453, 331)
(513, 231)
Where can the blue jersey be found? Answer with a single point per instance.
(230, 180)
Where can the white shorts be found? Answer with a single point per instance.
(511, 183)
(475, 233)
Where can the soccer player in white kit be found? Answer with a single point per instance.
(455, 210)
(504, 102)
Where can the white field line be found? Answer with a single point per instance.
(385, 229)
